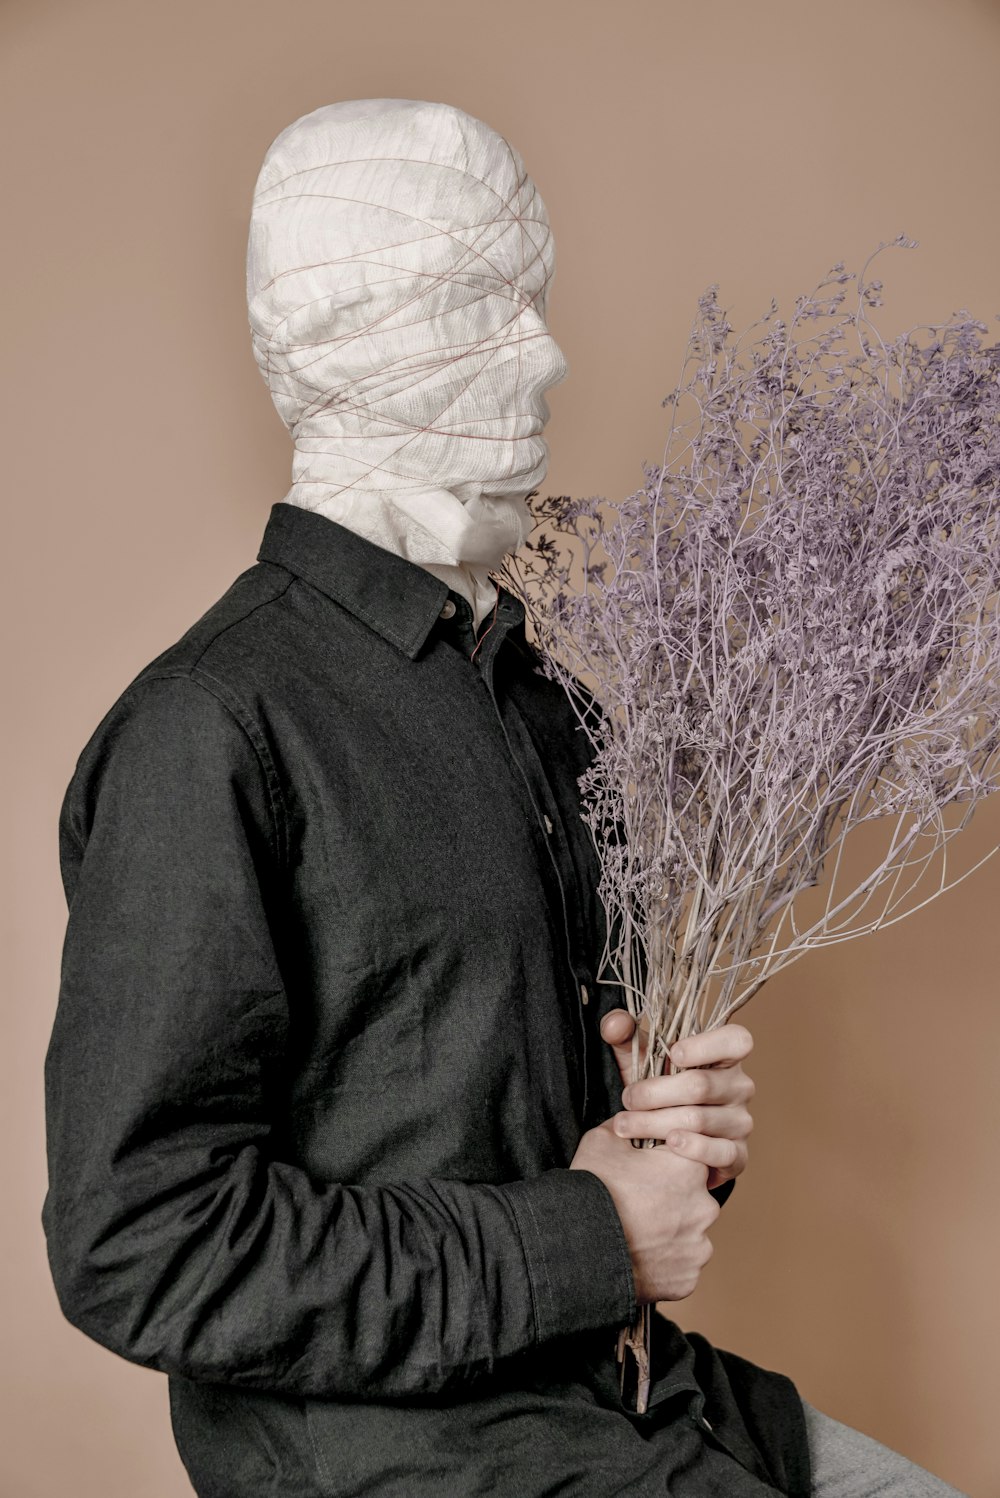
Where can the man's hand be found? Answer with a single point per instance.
(664, 1207)
(701, 1110)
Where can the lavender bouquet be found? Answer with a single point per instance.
(793, 630)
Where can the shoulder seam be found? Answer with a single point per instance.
(234, 622)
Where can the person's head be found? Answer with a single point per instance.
(398, 268)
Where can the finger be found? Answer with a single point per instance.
(726, 1086)
(721, 1046)
(727, 1155)
(725, 1158)
(617, 1028)
(656, 1123)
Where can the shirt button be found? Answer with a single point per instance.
(548, 824)
(448, 610)
(584, 995)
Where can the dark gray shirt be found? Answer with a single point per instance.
(326, 1041)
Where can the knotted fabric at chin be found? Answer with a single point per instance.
(398, 266)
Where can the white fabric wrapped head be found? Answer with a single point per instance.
(398, 264)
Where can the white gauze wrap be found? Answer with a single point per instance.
(398, 263)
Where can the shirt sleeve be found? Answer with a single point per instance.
(177, 1237)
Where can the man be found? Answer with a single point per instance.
(335, 1129)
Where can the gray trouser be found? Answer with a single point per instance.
(848, 1464)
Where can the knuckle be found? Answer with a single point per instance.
(700, 1086)
(691, 1119)
(749, 1087)
(746, 1122)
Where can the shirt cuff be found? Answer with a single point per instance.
(576, 1252)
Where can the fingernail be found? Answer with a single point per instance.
(677, 1053)
(626, 1097)
(676, 1140)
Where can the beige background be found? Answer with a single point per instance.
(675, 145)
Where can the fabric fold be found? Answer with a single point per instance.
(398, 266)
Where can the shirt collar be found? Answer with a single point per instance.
(398, 598)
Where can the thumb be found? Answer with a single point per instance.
(617, 1028)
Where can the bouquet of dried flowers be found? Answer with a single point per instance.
(793, 630)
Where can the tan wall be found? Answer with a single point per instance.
(675, 145)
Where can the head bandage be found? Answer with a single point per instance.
(398, 264)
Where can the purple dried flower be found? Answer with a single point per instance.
(791, 629)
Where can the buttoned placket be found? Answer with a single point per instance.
(482, 651)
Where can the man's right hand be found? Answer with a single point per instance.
(664, 1206)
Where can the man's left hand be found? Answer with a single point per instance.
(700, 1111)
